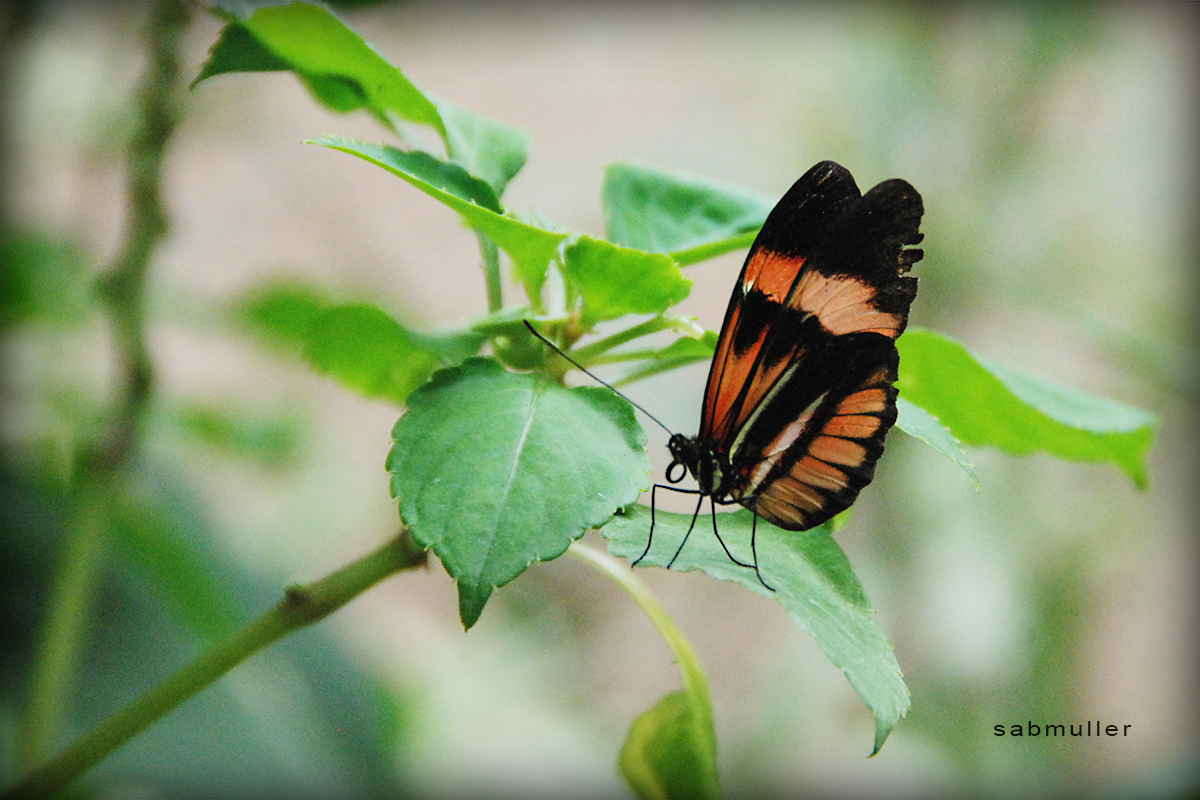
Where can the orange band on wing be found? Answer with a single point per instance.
(772, 274)
(844, 304)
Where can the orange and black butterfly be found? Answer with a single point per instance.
(801, 390)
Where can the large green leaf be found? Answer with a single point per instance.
(614, 281)
(984, 403)
(812, 579)
(530, 247)
(495, 470)
(690, 218)
(369, 352)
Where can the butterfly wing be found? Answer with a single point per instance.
(809, 451)
(759, 336)
(800, 395)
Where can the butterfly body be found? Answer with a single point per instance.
(801, 394)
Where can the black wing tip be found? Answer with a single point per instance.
(817, 200)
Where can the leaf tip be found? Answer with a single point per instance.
(472, 597)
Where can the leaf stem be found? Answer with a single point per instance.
(491, 272)
(301, 606)
(652, 325)
(694, 680)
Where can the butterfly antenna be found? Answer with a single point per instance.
(585, 371)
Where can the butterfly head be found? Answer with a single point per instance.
(690, 455)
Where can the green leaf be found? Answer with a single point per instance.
(813, 581)
(345, 74)
(920, 424)
(530, 248)
(614, 281)
(443, 176)
(42, 278)
(487, 148)
(495, 470)
(369, 352)
(690, 218)
(984, 403)
(340, 69)
(514, 345)
(280, 312)
(270, 439)
(671, 750)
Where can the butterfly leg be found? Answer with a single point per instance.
(653, 505)
(695, 514)
(650, 537)
(725, 547)
(754, 553)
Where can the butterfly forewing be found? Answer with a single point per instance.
(760, 336)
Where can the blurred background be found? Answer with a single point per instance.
(1055, 147)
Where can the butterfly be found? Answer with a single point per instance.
(801, 394)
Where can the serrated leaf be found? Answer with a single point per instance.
(369, 352)
(341, 69)
(671, 751)
(690, 218)
(920, 424)
(492, 150)
(614, 281)
(445, 176)
(813, 581)
(530, 248)
(345, 74)
(496, 470)
(984, 403)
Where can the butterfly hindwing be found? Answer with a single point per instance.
(814, 447)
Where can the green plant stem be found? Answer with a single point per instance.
(98, 468)
(56, 653)
(695, 255)
(301, 606)
(653, 325)
(491, 272)
(694, 681)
